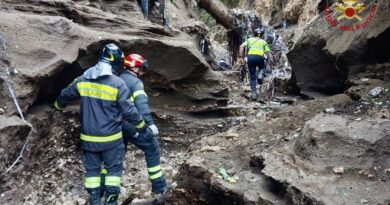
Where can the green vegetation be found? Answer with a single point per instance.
(173, 2)
(231, 3)
(206, 18)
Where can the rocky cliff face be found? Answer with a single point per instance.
(326, 56)
(54, 40)
(49, 43)
(296, 14)
(331, 150)
(323, 56)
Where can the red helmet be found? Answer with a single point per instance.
(136, 60)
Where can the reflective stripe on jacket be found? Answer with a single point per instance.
(104, 101)
(256, 46)
(138, 95)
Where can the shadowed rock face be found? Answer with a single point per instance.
(51, 42)
(325, 56)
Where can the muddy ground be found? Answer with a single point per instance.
(262, 148)
(330, 150)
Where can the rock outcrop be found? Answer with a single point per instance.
(51, 42)
(336, 160)
(302, 154)
(243, 152)
(326, 56)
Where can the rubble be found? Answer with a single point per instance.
(375, 92)
(296, 164)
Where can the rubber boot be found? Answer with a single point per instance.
(159, 185)
(160, 198)
(253, 95)
(94, 196)
(111, 195)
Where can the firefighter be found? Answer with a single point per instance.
(256, 48)
(135, 66)
(104, 101)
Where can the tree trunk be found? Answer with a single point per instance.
(219, 12)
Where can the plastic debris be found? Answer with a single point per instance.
(330, 110)
(223, 173)
(375, 92)
(225, 176)
(274, 104)
(239, 120)
(338, 170)
(266, 108)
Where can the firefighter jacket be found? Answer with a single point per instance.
(138, 96)
(104, 101)
(256, 46)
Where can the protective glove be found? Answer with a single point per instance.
(154, 129)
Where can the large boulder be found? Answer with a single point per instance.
(326, 137)
(326, 56)
(336, 160)
(51, 42)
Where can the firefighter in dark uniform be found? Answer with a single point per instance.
(135, 66)
(104, 104)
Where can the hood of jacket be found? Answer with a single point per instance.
(98, 70)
